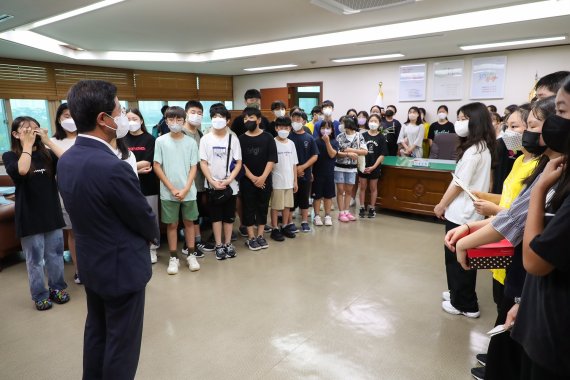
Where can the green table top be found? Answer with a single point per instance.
(406, 162)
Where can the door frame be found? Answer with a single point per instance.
(292, 89)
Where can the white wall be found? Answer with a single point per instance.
(356, 86)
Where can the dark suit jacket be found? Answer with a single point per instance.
(111, 218)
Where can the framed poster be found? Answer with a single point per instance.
(448, 80)
(413, 83)
(488, 77)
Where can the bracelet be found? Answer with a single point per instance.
(468, 229)
(29, 154)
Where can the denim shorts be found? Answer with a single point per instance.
(345, 177)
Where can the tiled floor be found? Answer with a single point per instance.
(355, 301)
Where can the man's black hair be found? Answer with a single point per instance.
(278, 104)
(87, 99)
(552, 81)
(220, 110)
(249, 111)
(251, 94)
(283, 121)
(193, 104)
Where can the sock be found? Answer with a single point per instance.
(173, 254)
(198, 238)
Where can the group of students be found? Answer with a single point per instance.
(524, 155)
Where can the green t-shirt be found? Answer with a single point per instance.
(176, 156)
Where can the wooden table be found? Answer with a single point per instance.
(417, 190)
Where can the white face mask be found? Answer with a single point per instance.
(194, 119)
(512, 140)
(279, 113)
(462, 128)
(283, 134)
(374, 126)
(68, 125)
(341, 128)
(327, 111)
(321, 117)
(134, 126)
(122, 122)
(218, 123)
(175, 128)
(442, 116)
(297, 126)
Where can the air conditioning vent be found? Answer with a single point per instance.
(347, 7)
(5, 18)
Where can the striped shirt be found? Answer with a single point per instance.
(510, 223)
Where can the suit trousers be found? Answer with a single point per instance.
(113, 335)
(461, 283)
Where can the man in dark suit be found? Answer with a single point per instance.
(113, 226)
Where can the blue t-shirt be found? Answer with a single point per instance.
(317, 130)
(325, 164)
(306, 148)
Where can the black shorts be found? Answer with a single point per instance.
(301, 198)
(374, 175)
(323, 187)
(223, 212)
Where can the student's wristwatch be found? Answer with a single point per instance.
(517, 300)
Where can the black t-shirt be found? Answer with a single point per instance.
(438, 129)
(377, 147)
(306, 148)
(505, 160)
(37, 201)
(542, 326)
(325, 164)
(239, 128)
(256, 152)
(142, 147)
(392, 129)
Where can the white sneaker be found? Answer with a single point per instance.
(328, 220)
(153, 257)
(446, 296)
(193, 263)
(352, 203)
(317, 221)
(448, 308)
(173, 265)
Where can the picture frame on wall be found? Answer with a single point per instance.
(412, 83)
(488, 76)
(448, 80)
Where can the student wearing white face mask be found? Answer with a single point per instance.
(351, 146)
(64, 137)
(441, 126)
(377, 150)
(412, 135)
(279, 109)
(474, 157)
(193, 128)
(141, 144)
(327, 111)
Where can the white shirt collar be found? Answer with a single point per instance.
(100, 140)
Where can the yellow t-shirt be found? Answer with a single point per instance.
(511, 189)
(311, 126)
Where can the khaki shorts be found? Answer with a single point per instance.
(281, 198)
(170, 211)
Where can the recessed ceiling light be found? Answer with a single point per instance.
(270, 67)
(368, 58)
(73, 13)
(512, 43)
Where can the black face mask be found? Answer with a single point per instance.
(530, 141)
(250, 125)
(555, 133)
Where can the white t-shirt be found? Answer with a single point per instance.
(64, 144)
(474, 170)
(284, 172)
(131, 160)
(213, 150)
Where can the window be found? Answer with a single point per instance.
(4, 129)
(150, 109)
(38, 109)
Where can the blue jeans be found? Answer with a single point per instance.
(44, 250)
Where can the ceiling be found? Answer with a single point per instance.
(201, 26)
